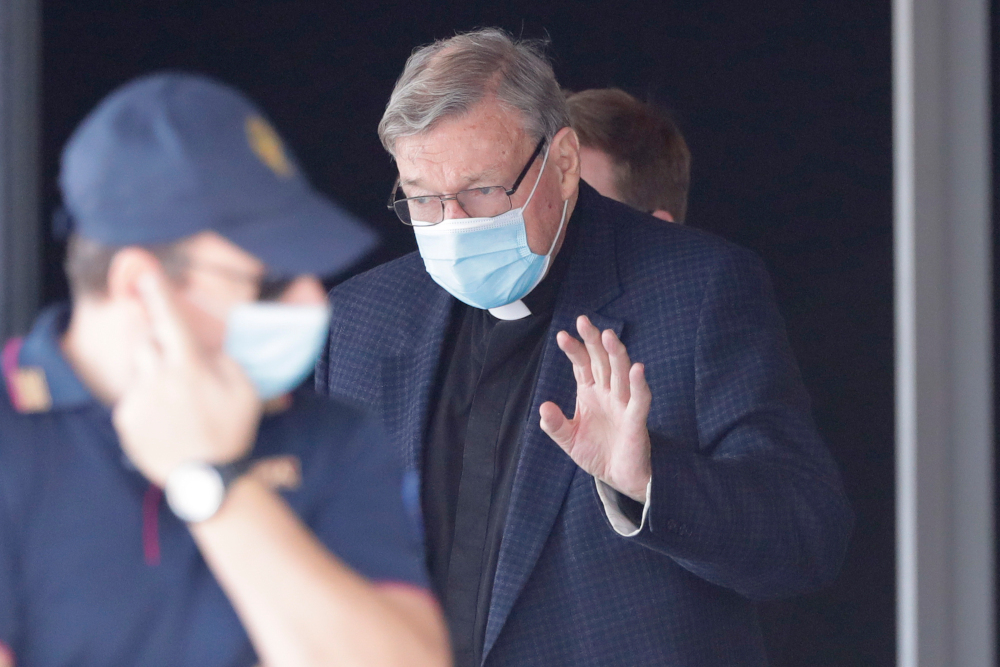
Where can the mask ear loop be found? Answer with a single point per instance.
(538, 179)
(548, 255)
(562, 223)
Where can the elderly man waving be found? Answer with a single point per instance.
(679, 488)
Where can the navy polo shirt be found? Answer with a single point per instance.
(96, 570)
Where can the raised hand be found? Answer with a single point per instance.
(183, 405)
(607, 435)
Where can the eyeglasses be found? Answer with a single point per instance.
(482, 202)
(269, 287)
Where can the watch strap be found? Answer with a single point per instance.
(230, 472)
(192, 509)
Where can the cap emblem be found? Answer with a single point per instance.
(267, 145)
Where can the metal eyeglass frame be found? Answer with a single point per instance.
(393, 200)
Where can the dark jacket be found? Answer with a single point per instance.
(746, 502)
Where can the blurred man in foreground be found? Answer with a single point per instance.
(631, 152)
(196, 309)
(580, 509)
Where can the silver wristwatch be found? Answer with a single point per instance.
(195, 490)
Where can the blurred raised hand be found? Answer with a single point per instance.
(184, 404)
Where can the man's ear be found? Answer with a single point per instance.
(127, 266)
(566, 153)
(663, 215)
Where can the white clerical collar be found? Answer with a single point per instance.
(512, 311)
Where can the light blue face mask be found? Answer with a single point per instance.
(277, 344)
(486, 262)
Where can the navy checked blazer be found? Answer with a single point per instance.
(746, 503)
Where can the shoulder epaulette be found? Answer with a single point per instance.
(26, 385)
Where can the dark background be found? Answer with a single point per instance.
(786, 107)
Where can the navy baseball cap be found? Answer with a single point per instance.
(172, 154)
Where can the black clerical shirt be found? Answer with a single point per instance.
(486, 380)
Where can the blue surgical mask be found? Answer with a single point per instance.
(486, 262)
(276, 344)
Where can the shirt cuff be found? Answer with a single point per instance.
(623, 525)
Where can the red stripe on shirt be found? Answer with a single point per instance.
(151, 525)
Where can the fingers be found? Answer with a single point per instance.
(601, 359)
(147, 358)
(620, 364)
(599, 364)
(577, 353)
(168, 327)
(230, 371)
(554, 422)
(638, 406)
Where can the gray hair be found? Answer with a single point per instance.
(450, 76)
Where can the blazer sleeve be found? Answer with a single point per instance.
(759, 508)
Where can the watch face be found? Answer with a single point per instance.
(195, 491)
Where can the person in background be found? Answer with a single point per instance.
(620, 498)
(631, 152)
(166, 498)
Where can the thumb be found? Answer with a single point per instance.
(554, 422)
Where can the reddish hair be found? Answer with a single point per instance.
(651, 160)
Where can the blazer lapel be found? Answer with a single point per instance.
(544, 471)
(408, 376)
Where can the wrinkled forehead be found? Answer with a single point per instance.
(488, 142)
